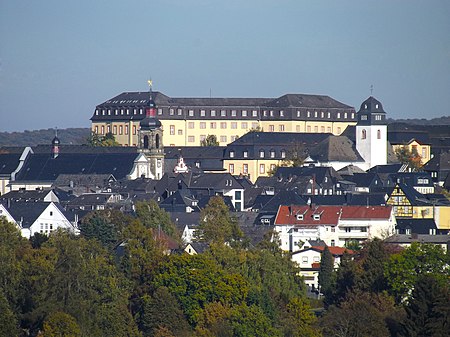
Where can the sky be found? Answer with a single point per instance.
(59, 59)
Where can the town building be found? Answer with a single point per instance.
(188, 121)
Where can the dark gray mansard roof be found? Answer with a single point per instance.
(289, 102)
(138, 99)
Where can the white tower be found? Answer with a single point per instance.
(371, 133)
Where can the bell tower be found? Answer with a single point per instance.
(151, 139)
(371, 133)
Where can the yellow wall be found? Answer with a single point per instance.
(190, 132)
(253, 167)
(423, 150)
(442, 217)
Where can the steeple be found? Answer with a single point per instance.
(55, 144)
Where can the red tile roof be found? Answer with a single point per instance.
(312, 216)
(328, 215)
(336, 251)
(364, 212)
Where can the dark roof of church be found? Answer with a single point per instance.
(42, 167)
(371, 105)
(9, 162)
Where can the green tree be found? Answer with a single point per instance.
(428, 311)
(162, 310)
(347, 276)
(12, 246)
(60, 324)
(409, 157)
(326, 271)
(210, 140)
(38, 239)
(198, 280)
(403, 269)
(142, 256)
(152, 216)
(216, 223)
(373, 258)
(8, 320)
(300, 320)
(96, 140)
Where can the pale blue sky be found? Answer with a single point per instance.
(58, 59)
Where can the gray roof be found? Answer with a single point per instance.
(336, 148)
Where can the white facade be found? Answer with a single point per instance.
(371, 143)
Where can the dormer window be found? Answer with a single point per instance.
(376, 106)
(316, 217)
(261, 153)
(299, 217)
(231, 154)
(364, 117)
(245, 154)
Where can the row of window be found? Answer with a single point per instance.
(364, 134)
(262, 154)
(244, 170)
(221, 113)
(222, 139)
(115, 130)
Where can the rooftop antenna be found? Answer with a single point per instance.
(371, 89)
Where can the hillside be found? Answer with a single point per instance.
(66, 136)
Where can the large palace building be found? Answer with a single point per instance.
(187, 121)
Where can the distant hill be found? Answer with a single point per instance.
(76, 136)
(444, 120)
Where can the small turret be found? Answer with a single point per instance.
(55, 145)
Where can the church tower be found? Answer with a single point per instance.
(371, 133)
(151, 140)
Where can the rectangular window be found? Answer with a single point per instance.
(315, 114)
(281, 128)
(202, 125)
(96, 130)
(231, 154)
(223, 125)
(308, 128)
(254, 125)
(272, 154)
(281, 113)
(171, 112)
(172, 129)
(191, 139)
(126, 129)
(244, 113)
(271, 128)
(262, 168)
(297, 128)
(134, 129)
(308, 114)
(322, 114)
(244, 125)
(213, 125)
(245, 154)
(231, 168)
(180, 132)
(213, 113)
(233, 113)
(115, 130)
(329, 129)
(328, 115)
(316, 129)
(191, 125)
(120, 129)
(160, 111)
(233, 125)
(298, 113)
(179, 112)
(202, 113)
(322, 129)
(223, 139)
(345, 115)
(191, 113)
(202, 138)
(245, 168)
(255, 113)
(339, 130)
(223, 113)
(338, 115)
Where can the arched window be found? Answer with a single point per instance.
(378, 134)
(364, 134)
(145, 142)
(157, 141)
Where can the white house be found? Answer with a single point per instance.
(38, 217)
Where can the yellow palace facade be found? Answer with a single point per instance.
(187, 121)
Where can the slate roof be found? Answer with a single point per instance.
(279, 138)
(405, 137)
(416, 226)
(209, 158)
(350, 170)
(9, 163)
(137, 99)
(282, 198)
(336, 148)
(42, 167)
(28, 212)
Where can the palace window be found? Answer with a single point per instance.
(180, 132)
(191, 125)
(160, 111)
(213, 125)
(271, 128)
(244, 113)
(213, 113)
(171, 112)
(179, 112)
(338, 115)
(231, 154)
(223, 125)
(202, 125)
(262, 168)
(172, 129)
(223, 113)
(245, 154)
(191, 139)
(234, 125)
(120, 129)
(261, 153)
(231, 168)
(281, 127)
(255, 113)
(202, 113)
(223, 139)
(272, 153)
(378, 134)
(363, 134)
(245, 168)
(244, 125)
(126, 129)
(281, 113)
(191, 113)
(233, 113)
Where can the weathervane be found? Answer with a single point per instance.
(150, 84)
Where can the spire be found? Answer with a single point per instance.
(55, 144)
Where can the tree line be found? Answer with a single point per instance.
(117, 278)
